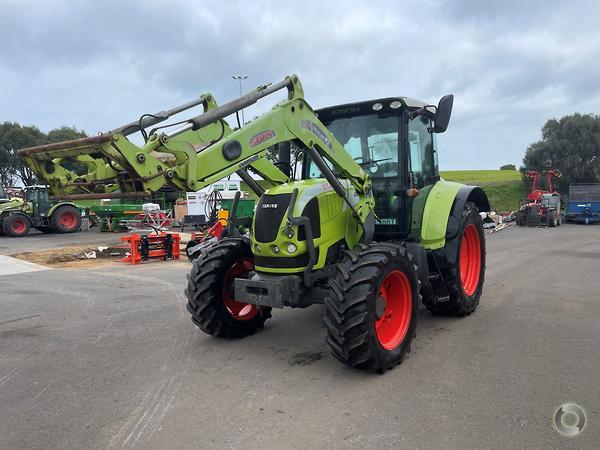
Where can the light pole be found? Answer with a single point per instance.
(240, 78)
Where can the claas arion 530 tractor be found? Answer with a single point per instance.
(366, 227)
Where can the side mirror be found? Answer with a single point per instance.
(443, 113)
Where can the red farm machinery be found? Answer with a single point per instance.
(542, 206)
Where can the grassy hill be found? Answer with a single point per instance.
(503, 187)
(481, 176)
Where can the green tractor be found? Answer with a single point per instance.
(358, 220)
(18, 216)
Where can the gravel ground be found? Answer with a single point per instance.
(37, 240)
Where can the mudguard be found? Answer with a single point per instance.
(472, 194)
(436, 211)
(58, 205)
(441, 215)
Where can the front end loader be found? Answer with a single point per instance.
(366, 227)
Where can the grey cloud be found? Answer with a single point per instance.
(98, 64)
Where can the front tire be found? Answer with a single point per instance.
(372, 307)
(464, 279)
(210, 291)
(16, 225)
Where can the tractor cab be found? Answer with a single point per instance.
(394, 141)
(550, 201)
(37, 197)
(3, 197)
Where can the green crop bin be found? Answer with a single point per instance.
(245, 207)
(110, 216)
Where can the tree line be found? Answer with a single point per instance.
(13, 137)
(570, 144)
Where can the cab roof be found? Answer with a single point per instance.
(388, 105)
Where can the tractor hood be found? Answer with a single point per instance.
(13, 203)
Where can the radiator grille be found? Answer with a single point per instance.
(269, 213)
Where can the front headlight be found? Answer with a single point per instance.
(291, 248)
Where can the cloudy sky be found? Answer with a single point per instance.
(510, 64)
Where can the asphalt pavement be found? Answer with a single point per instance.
(107, 356)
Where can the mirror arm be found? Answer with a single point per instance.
(422, 110)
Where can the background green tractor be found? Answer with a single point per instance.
(18, 216)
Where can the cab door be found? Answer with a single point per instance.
(423, 167)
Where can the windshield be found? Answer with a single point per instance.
(371, 140)
(2, 193)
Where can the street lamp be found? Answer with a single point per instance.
(240, 78)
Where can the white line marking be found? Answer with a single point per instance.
(6, 377)
(43, 390)
(11, 266)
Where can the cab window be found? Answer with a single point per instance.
(423, 160)
(371, 140)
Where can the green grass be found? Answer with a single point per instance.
(503, 187)
(481, 176)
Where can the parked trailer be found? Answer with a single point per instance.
(584, 203)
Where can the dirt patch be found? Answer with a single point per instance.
(83, 255)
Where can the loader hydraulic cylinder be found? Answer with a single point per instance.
(238, 104)
(148, 120)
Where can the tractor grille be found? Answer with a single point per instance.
(269, 213)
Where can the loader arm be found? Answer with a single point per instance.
(108, 165)
(204, 151)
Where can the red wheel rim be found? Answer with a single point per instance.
(392, 326)
(470, 260)
(68, 219)
(238, 310)
(18, 226)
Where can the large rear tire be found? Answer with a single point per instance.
(210, 291)
(16, 225)
(464, 279)
(372, 307)
(65, 219)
